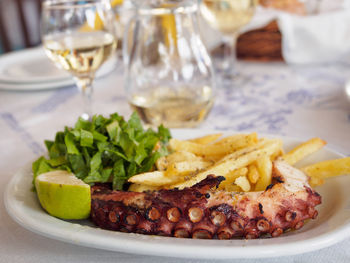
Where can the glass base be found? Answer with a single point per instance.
(229, 75)
(86, 117)
(233, 80)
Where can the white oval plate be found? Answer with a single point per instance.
(332, 224)
(31, 69)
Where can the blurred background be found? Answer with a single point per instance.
(260, 40)
(19, 24)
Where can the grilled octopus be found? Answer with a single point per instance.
(203, 212)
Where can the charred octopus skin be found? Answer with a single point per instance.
(206, 213)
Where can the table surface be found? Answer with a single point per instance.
(275, 98)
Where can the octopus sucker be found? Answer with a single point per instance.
(225, 232)
(173, 214)
(202, 211)
(145, 227)
(263, 225)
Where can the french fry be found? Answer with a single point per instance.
(303, 150)
(234, 161)
(142, 188)
(233, 188)
(328, 168)
(181, 168)
(315, 181)
(181, 156)
(240, 141)
(174, 173)
(162, 163)
(264, 166)
(243, 183)
(253, 174)
(231, 177)
(212, 158)
(250, 139)
(261, 144)
(156, 178)
(278, 154)
(206, 139)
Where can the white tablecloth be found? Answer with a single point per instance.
(277, 99)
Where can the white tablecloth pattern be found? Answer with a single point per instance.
(300, 102)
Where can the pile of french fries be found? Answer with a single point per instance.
(243, 159)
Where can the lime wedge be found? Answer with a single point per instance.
(63, 195)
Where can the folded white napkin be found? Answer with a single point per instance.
(315, 39)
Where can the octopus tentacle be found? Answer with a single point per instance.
(204, 212)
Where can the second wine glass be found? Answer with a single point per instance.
(79, 36)
(228, 17)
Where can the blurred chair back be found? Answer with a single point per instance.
(19, 24)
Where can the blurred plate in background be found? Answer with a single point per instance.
(31, 69)
(29, 66)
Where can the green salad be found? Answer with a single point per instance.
(104, 150)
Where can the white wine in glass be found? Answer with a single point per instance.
(81, 53)
(176, 109)
(228, 17)
(79, 36)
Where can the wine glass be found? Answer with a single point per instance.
(79, 36)
(228, 17)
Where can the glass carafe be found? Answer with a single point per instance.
(169, 77)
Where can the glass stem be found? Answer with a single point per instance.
(230, 58)
(85, 87)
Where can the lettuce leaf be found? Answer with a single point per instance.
(104, 149)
